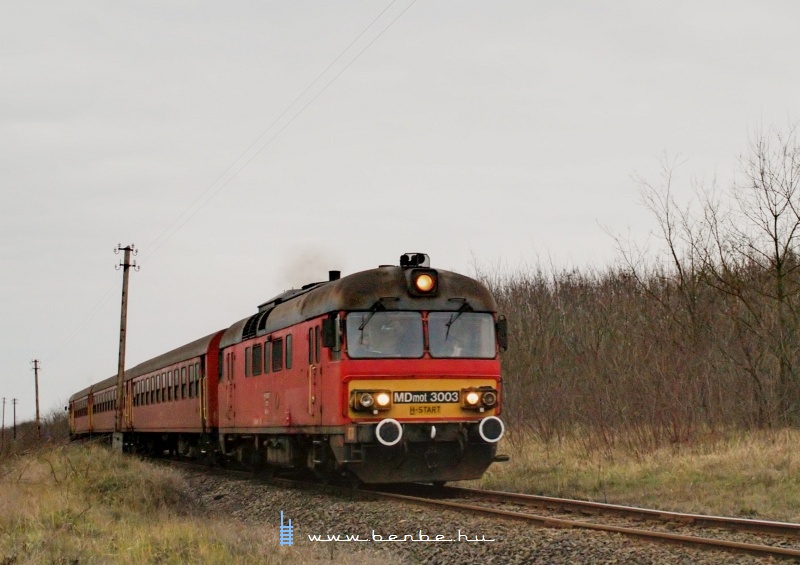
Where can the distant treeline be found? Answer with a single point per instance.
(705, 336)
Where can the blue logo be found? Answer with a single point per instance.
(287, 532)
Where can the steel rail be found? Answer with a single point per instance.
(788, 529)
(547, 521)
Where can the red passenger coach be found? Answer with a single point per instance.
(390, 375)
(170, 400)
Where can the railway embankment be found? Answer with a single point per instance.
(64, 503)
(79, 504)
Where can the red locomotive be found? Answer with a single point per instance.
(390, 374)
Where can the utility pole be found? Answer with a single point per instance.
(36, 376)
(3, 433)
(14, 403)
(126, 264)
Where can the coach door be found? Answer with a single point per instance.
(314, 374)
(128, 405)
(200, 374)
(227, 412)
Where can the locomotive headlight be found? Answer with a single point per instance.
(424, 283)
(472, 398)
(370, 400)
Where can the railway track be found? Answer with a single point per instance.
(754, 537)
(767, 539)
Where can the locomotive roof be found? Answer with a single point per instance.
(359, 291)
(193, 349)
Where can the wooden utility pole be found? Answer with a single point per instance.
(14, 404)
(36, 376)
(126, 264)
(3, 433)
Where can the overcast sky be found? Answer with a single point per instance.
(228, 142)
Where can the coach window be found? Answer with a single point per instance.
(191, 379)
(277, 354)
(289, 351)
(183, 384)
(163, 387)
(197, 379)
(169, 386)
(176, 384)
(257, 359)
(246, 361)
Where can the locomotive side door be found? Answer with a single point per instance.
(314, 374)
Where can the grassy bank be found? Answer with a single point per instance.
(83, 504)
(753, 474)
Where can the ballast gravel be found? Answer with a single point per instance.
(346, 523)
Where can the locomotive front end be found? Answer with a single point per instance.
(421, 370)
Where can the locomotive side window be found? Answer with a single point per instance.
(461, 335)
(310, 346)
(289, 351)
(257, 359)
(246, 361)
(277, 354)
(372, 335)
(267, 358)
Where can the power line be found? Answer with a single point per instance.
(168, 232)
(154, 245)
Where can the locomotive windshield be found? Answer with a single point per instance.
(384, 334)
(375, 335)
(461, 334)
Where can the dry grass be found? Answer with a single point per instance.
(753, 474)
(84, 504)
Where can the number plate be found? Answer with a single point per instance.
(426, 397)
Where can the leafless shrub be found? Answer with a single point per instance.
(652, 350)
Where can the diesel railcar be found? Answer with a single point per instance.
(389, 375)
